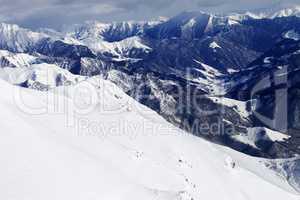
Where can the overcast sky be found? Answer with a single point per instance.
(55, 13)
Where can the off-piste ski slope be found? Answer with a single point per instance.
(91, 141)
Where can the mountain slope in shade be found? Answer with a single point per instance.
(56, 155)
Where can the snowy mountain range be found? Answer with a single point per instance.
(192, 70)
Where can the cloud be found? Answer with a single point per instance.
(55, 13)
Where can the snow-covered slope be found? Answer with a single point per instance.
(15, 60)
(236, 18)
(292, 35)
(91, 141)
(21, 68)
(114, 38)
(286, 12)
(110, 32)
(119, 49)
(276, 12)
(209, 79)
(17, 39)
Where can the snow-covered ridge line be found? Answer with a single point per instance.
(18, 39)
(21, 68)
(99, 36)
(270, 14)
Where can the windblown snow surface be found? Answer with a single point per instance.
(93, 142)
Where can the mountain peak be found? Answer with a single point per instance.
(286, 12)
(6, 26)
(17, 39)
(278, 11)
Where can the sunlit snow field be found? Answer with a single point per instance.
(92, 141)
